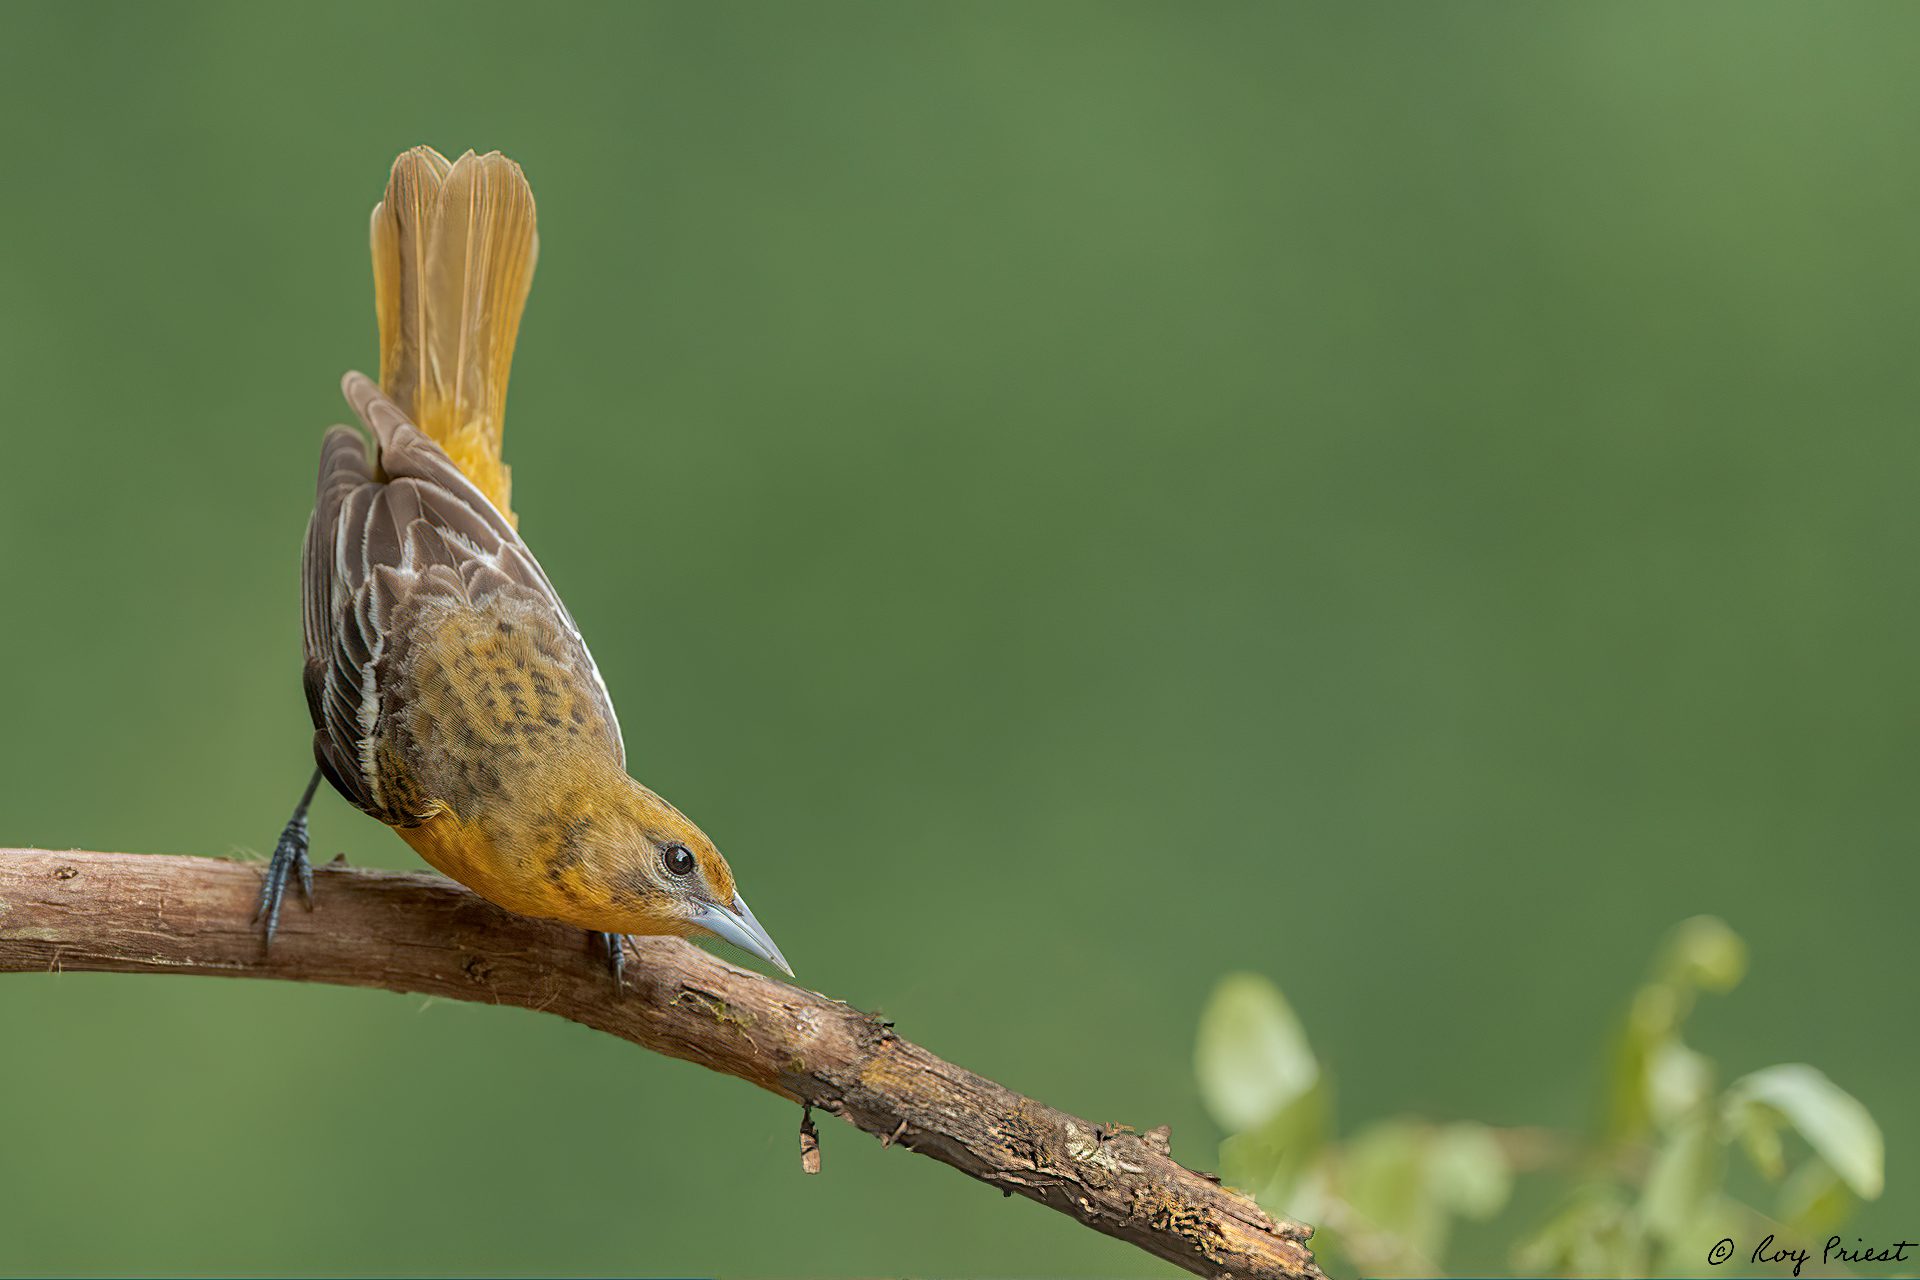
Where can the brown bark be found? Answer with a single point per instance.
(135, 913)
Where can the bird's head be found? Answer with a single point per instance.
(676, 882)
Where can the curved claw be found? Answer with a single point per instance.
(616, 945)
(289, 858)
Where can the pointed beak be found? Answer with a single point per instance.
(737, 925)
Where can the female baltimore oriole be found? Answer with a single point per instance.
(452, 696)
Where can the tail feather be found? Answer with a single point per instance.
(454, 246)
(401, 226)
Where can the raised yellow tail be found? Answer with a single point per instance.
(453, 252)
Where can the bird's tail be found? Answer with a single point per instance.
(453, 253)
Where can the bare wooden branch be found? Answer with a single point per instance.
(137, 913)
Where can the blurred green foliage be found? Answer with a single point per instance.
(1077, 498)
(1647, 1195)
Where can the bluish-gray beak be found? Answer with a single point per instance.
(737, 925)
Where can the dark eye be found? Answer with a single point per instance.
(677, 860)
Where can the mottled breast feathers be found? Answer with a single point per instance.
(441, 666)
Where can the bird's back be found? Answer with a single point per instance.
(442, 670)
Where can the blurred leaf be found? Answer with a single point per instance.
(1814, 1200)
(1655, 1078)
(1685, 1176)
(1394, 1193)
(1627, 1111)
(1404, 1181)
(1594, 1235)
(1308, 1199)
(1720, 1217)
(1758, 1129)
(1251, 1056)
(1468, 1170)
(1269, 1162)
(1678, 1081)
(1383, 1177)
(1833, 1121)
(1704, 953)
(1651, 1020)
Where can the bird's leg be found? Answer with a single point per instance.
(616, 945)
(289, 856)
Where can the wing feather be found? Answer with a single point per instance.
(391, 531)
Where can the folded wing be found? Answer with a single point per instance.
(401, 541)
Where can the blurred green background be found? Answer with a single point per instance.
(1410, 500)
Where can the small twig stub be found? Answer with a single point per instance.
(809, 1142)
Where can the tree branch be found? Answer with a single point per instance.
(137, 913)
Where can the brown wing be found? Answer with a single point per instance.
(395, 541)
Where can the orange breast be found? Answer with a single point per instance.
(465, 852)
(517, 866)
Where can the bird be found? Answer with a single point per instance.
(451, 693)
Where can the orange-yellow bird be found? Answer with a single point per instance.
(451, 693)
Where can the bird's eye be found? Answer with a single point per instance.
(677, 859)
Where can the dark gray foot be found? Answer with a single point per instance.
(616, 948)
(289, 858)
